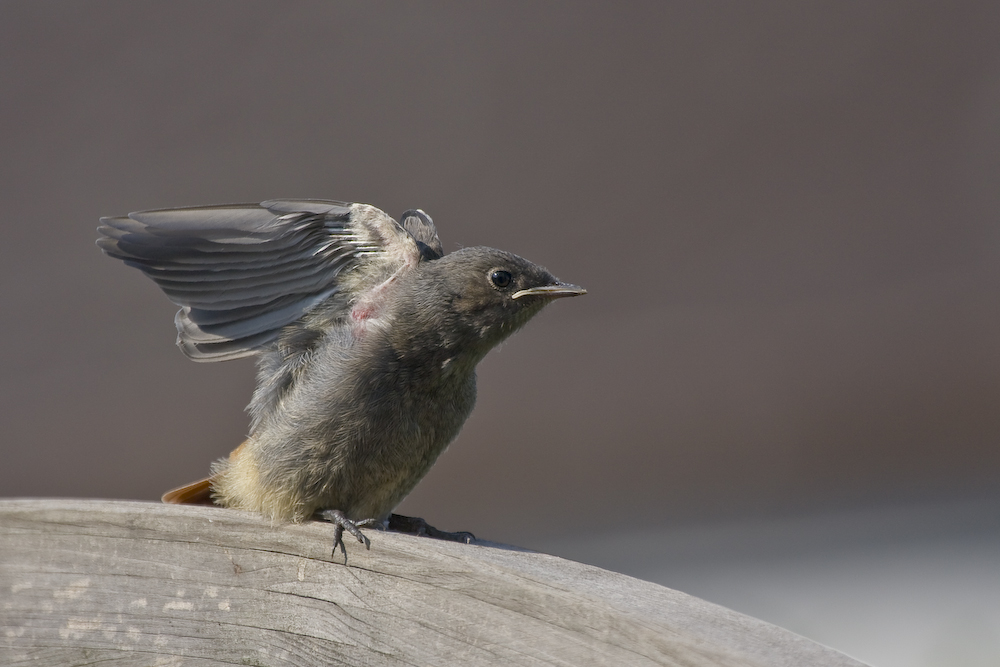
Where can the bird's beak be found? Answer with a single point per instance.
(556, 291)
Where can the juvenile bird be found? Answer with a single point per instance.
(368, 337)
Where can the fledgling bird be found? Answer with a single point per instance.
(368, 337)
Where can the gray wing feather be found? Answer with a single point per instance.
(422, 229)
(241, 272)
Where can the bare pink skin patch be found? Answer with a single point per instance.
(362, 311)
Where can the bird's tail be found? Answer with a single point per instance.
(200, 492)
(195, 493)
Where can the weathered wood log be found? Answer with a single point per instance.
(86, 582)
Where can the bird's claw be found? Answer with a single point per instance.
(417, 526)
(340, 524)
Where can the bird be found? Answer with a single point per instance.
(367, 336)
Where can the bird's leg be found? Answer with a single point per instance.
(417, 526)
(340, 524)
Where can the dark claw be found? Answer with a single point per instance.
(342, 523)
(417, 526)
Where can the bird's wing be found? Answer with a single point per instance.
(422, 229)
(241, 272)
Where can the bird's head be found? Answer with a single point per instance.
(477, 297)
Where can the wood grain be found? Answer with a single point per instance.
(115, 583)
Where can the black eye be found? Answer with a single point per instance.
(501, 278)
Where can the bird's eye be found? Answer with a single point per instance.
(501, 278)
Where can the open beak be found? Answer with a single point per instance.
(556, 291)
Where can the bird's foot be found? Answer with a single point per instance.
(340, 524)
(417, 526)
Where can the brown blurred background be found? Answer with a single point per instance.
(786, 215)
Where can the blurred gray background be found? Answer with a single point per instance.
(784, 385)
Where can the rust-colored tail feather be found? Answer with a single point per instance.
(195, 493)
(200, 492)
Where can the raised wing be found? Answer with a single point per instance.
(241, 272)
(421, 228)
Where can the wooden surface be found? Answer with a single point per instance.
(114, 583)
